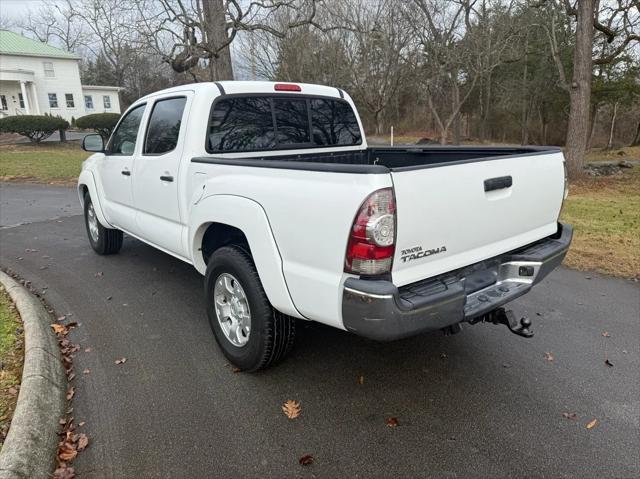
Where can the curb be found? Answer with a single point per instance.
(29, 450)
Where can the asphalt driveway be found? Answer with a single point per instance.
(483, 403)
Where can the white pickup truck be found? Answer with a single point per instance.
(270, 191)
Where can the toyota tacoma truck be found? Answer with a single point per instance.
(271, 192)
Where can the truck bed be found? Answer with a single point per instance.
(383, 159)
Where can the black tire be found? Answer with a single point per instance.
(108, 241)
(272, 334)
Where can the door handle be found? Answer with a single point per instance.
(498, 183)
(126, 172)
(166, 178)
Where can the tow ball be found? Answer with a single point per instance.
(502, 316)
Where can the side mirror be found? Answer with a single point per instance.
(93, 143)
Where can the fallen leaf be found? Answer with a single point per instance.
(62, 421)
(81, 424)
(392, 422)
(83, 442)
(548, 356)
(71, 377)
(121, 361)
(570, 415)
(291, 409)
(361, 380)
(306, 460)
(87, 350)
(67, 452)
(59, 329)
(608, 363)
(606, 334)
(70, 392)
(592, 424)
(64, 472)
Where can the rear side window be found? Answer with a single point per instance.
(262, 123)
(164, 126)
(334, 123)
(242, 124)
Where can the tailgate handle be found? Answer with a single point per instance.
(498, 183)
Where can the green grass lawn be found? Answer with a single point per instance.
(605, 213)
(626, 153)
(11, 358)
(45, 163)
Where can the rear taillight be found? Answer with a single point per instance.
(372, 240)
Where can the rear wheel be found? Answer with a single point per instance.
(103, 240)
(250, 332)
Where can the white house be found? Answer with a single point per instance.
(36, 78)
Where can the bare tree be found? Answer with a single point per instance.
(619, 23)
(57, 23)
(459, 44)
(195, 35)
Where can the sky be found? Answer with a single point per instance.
(14, 9)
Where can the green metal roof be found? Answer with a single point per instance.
(14, 44)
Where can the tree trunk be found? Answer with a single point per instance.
(580, 90)
(442, 139)
(456, 119)
(220, 67)
(613, 125)
(378, 122)
(524, 119)
(594, 118)
(636, 139)
(457, 130)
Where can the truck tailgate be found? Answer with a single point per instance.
(450, 216)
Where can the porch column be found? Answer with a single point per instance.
(25, 97)
(34, 95)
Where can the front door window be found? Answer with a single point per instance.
(123, 140)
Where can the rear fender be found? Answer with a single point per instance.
(249, 217)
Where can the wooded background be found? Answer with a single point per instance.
(555, 72)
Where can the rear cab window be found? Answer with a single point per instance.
(277, 122)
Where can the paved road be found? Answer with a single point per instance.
(483, 403)
(20, 204)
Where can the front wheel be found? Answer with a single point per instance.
(103, 240)
(250, 332)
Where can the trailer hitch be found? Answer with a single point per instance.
(502, 316)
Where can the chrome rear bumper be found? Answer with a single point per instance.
(380, 310)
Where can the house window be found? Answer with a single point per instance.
(53, 100)
(88, 102)
(3, 102)
(48, 69)
(69, 98)
(107, 101)
(21, 100)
